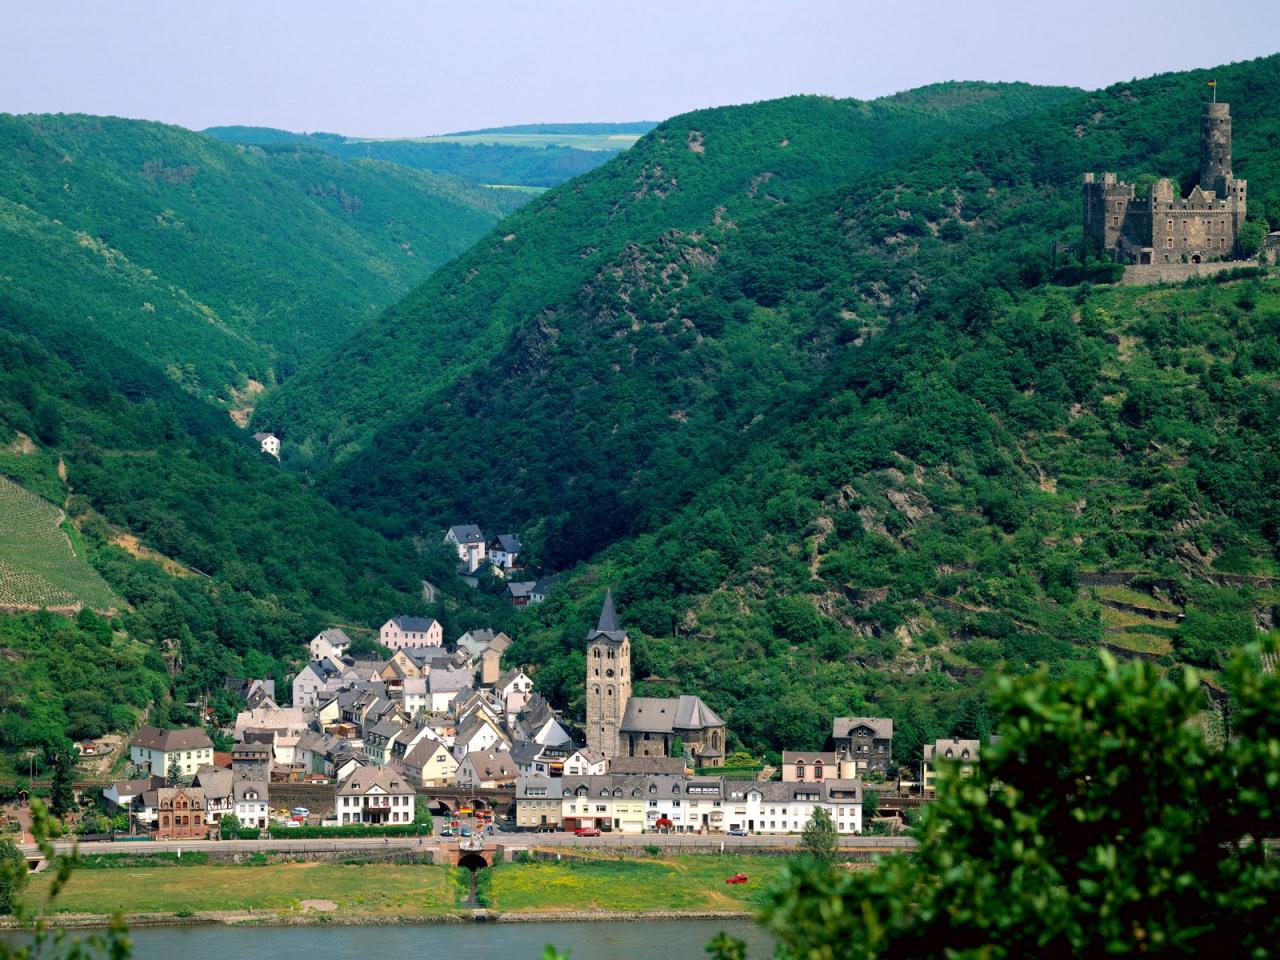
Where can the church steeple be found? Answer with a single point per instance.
(608, 626)
(608, 681)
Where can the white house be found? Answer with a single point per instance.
(430, 764)
(585, 762)
(190, 748)
(329, 643)
(268, 443)
(445, 685)
(467, 539)
(251, 803)
(478, 733)
(400, 632)
(120, 794)
(374, 795)
(514, 687)
(504, 551)
(415, 696)
(487, 769)
(772, 807)
(316, 679)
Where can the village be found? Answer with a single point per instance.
(380, 745)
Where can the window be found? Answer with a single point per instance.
(1170, 245)
(1115, 221)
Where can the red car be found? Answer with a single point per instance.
(586, 832)
(736, 878)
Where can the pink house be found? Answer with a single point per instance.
(400, 632)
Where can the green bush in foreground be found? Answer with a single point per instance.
(1102, 823)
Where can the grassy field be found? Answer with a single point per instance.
(382, 889)
(678, 883)
(693, 883)
(579, 141)
(38, 566)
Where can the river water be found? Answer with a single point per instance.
(621, 940)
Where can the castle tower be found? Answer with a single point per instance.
(608, 681)
(1215, 148)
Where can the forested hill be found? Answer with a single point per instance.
(213, 263)
(220, 563)
(697, 175)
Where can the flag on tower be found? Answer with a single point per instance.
(1214, 84)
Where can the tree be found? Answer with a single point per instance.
(61, 797)
(819, 838)
(174, 773)
(228, 826)
(1249, 239)
(13, 875)
(1102, 822)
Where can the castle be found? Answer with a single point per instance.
(620, 725)
(1162, 228)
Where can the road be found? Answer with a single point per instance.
(669, 842)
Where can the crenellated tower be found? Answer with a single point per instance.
(608, 681)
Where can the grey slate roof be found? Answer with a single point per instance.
(508, 542)
(647, 765)
(952, 749)
(796, 756)
(842, 727)
(413, 624)
(466, 533)
(650, 715)
(335, 636)
(668, 715)
(520, 588)
(449, 681)
(215, 782)
(607, 627)
(693, 714)
(188, 738)
(242, 787)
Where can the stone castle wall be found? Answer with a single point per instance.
(1148, 273)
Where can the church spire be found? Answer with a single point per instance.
(608, 626)
(608, 616)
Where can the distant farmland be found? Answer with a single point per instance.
(579, 141)
(38, 565)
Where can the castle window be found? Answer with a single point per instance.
(1170, 244)
(1115, 221)
(1169, 224)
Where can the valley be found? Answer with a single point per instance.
(321, 455)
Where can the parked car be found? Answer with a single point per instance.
(738, 832)
(447, 832)
(300, 812)
(586, 832)
(465, 832)
(736, 878)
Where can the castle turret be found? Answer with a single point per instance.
(608, 681)
(1215, 148)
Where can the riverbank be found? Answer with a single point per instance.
(312, 893)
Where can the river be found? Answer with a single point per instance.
(622, 940)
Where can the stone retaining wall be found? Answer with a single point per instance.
(1139, 274)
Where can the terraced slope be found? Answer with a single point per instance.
(39, 568)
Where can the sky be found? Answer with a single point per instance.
(403, 68)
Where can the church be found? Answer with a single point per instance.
(620, 725)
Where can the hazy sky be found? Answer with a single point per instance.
(401, 68)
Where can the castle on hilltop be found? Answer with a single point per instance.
(620, 725)
(1162, 227)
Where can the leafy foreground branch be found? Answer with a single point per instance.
(46, 943)
(1102, 822)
